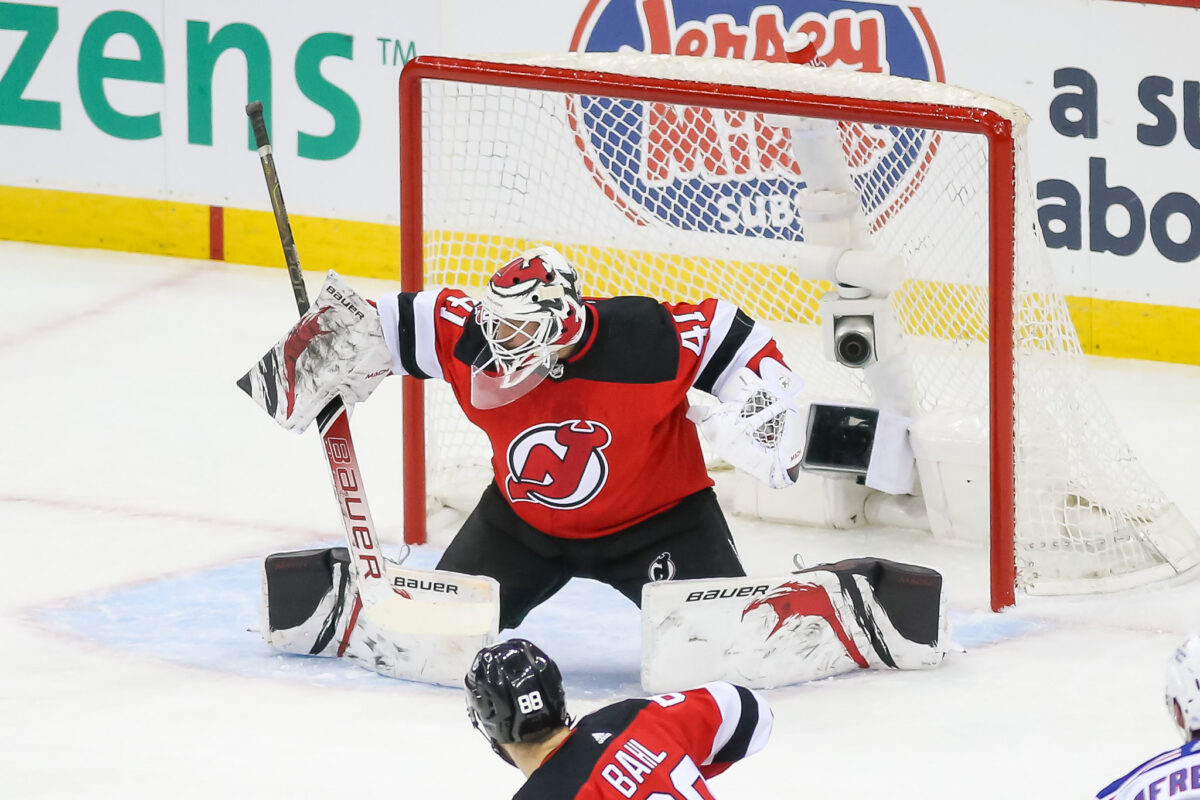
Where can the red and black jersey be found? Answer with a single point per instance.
(606, 443)
(663, 746)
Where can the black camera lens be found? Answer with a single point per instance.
(854, 340)
(854, 349)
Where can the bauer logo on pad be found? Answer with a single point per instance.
(728, 171)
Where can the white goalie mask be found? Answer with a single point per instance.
(530, 312)
(1183, 686)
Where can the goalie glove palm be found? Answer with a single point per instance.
(336, 348)
(758, 427)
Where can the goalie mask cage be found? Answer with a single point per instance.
(681, 178)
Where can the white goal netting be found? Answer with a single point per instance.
(683, 198)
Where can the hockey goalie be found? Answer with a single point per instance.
(598, 469)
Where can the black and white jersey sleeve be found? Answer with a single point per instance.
(745, 727)
(419, 327)
(722, 338)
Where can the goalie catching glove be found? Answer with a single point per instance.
(758, 426)
(337, 348)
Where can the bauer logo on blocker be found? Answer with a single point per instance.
(724, 171)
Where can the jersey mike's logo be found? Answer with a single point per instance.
(558, 464)
(793, 600)
(731, 172)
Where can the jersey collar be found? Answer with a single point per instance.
(589, 334)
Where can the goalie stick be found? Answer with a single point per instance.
(379, 602)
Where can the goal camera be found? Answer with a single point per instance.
(854, 340)
(850, 324)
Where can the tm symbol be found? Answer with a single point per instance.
(395, 51)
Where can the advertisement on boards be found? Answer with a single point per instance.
(144, 99)
(756, 196)
(1115, 121)
(1112, 90)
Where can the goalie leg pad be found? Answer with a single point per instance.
(310, 606)
(764, 632)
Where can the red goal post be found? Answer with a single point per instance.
(450, 108)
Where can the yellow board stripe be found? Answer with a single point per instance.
(1137, 330)
(366, 249)
(104, 221)
(162, 227)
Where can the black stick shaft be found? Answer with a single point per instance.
(332, 421)
(255, 112)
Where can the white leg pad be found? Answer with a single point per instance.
(764, 632)
(427, 631)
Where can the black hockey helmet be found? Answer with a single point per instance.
(515, 694)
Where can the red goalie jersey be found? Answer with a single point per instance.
(605, 443)
(661, 747)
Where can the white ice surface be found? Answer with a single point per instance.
(139, 489)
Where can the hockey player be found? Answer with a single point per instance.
(598, 470)
(663, 746)
(1175, 773)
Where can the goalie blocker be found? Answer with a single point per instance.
(310, 606)
(335, 350)
(763, 632)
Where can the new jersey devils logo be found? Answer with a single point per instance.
(558, 464)
(662, 568)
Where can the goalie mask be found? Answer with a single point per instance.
(530, 311)
(515, 694)
(1183, 687)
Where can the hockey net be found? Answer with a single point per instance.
(680, 178)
